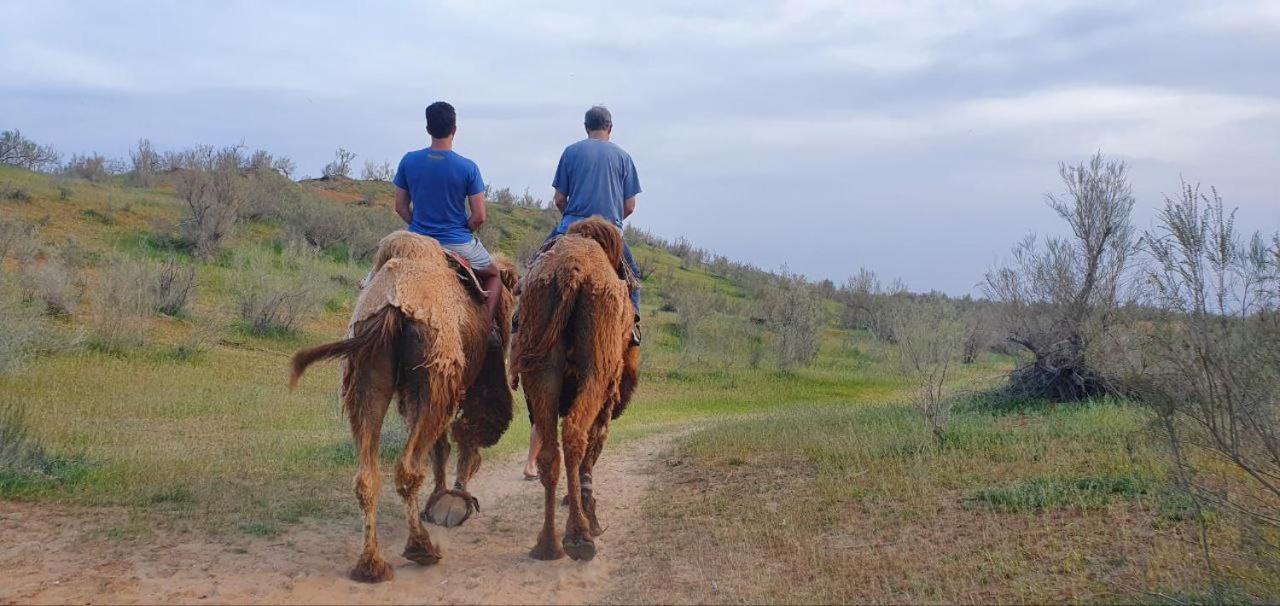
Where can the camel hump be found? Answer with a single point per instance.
(606, 234)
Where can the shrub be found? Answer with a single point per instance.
(171, 285)
(930, 334)
(16, 150)
(1213, 372)
(14, 193)
(122, 299)
(146, 163)
(382, 171)
(20, 332)
(1059, 296)
(271, 305)
(341, 165)
(693, 308)
(19, 238)
(51, 284)
(866, 305)
(213, 193)
(94, 168)
(794, 313)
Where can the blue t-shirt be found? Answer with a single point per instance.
(439, 183)
(596, 176)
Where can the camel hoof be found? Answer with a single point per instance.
(418, 553)
(372, 570)
(546, 553)
(580, 548)
(451, 509)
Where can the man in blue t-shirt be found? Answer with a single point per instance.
(434, 187)
(596, 177)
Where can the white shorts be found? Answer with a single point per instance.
(474, 252)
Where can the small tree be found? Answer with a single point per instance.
(146, 163)
(930, 334)
(794, 313)
(1214, 369)
(341, 165)
(382, 171)
(1059, 295)
(16, 150)
(213, 196)
(285, 166)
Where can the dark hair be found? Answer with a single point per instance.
(441, 119)
(598, 118)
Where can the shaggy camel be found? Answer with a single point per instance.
(574, 357)
(420, 334)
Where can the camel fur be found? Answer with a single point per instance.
(574, 358)
(419, 335)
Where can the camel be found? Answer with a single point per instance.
(574, 357)
(420, 334)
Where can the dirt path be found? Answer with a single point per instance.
(51, 554)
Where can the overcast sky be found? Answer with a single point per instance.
(915, 138)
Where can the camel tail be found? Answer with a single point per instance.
(371, 334)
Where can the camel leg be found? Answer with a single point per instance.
(574, 434)
(543, 391)
(431, 419)
(367, 395)
(599, 434)
(452, 507)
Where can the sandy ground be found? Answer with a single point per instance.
(52, 554)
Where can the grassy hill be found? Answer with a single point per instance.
(816, 471)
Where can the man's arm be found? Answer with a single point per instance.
(560, 200)
(478, 214)
(404, 206)
(628, 207)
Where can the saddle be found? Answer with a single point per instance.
(466, 275)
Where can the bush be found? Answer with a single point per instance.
(930, 334)
(794, 313)
(16, 150)
(51, 284)
(271, 305)
(341, 165)
(14, 193)
(19, 238)
(170, 286)
(379, 172)
(1213, 369)
(20, 333)
(694, 307)
(146, 163)
(94, 168)
(353, 233)
(213, 193)
(1059, 296)
(122, 299)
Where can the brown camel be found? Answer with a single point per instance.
(420, 334)
(574, 357)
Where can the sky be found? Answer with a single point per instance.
(917, 139)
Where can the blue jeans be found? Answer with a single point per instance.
(626, 255)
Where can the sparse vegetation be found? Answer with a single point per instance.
(16, 150)
(340, 167)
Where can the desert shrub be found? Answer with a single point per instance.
(794, 313)
(1213, 370)
(694, 307)
(21, 331)
(16, 150)
(867, 305)
(340, 167)
(930, 336)
(273, 305)
(171, 285)
(213, 193)
(346, 232)
(94, 167)
(20, 452)
(267, 195)
(14, 193)
(1058, 296)
(284, 166)
(146, 163)
(381, 171)
(121, 300)
(51, 284)
(19, 238)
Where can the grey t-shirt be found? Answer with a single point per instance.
(596, 176)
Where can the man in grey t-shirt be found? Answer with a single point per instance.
(595, 177)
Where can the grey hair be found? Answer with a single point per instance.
(598, 118)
